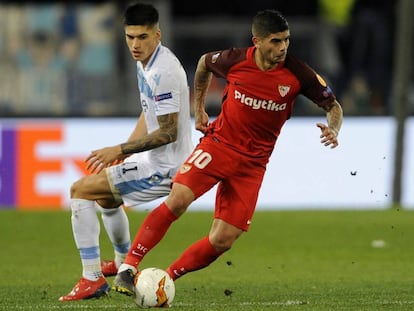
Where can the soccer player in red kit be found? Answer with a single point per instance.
(263, 82)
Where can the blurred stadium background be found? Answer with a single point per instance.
(63, 61)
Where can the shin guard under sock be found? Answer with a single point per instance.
(197, 256)
(152, 230)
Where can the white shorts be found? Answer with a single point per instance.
(136, 181)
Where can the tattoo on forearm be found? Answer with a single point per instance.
(334, 116)
(167, 133)
(201, 85)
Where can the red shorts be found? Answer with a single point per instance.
(239, 179)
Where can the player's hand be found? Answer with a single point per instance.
(201, 121)
(328, 136)
(105, 157)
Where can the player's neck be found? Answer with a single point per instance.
(261, 63)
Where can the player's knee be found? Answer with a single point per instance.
(77, 189)
(222, 241)
(179, 199)
(177, 207)
(74, 189)
(222, 244)
(222, 237)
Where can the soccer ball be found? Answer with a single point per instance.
(153, 288)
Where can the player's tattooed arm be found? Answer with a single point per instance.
(165, 134)
(334, 115)
(202, 80)
(329, 133)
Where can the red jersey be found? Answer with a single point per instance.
(256, 103)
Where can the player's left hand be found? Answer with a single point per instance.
(105, 157)
(328, 136)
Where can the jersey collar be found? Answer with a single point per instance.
(153, 56)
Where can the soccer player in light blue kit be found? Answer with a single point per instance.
(139, 170)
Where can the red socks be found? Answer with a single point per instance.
(152, 230)
(155, 225)
(197, 256)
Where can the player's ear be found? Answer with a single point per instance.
(255, 41)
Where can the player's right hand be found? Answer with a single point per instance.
(201, 121)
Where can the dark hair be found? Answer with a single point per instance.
(141, 14)
(267, 22)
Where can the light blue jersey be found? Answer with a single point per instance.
(164, 89)
(146, 176)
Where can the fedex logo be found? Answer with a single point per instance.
(34, 167)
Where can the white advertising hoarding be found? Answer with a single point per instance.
(40, 159)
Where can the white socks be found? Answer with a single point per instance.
(116, 224)
(86, 229)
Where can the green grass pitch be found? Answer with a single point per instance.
(289, 260)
